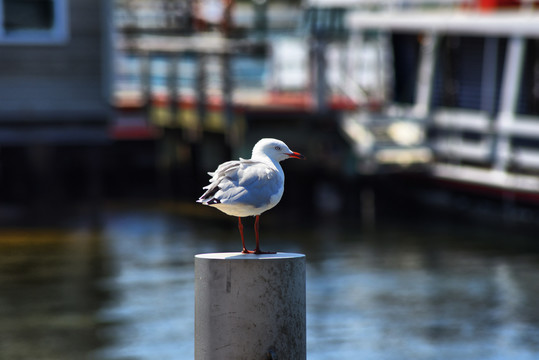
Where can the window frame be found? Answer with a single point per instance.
(58, 34)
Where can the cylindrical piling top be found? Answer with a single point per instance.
(242, 256)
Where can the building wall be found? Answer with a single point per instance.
(61, 82)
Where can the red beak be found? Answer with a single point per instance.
(296, 155)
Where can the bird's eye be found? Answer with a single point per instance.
(278, 148)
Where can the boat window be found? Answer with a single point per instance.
(33, 21)
(469, 72)
(406, 61)
(528, 101)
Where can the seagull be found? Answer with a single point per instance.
(249, 187)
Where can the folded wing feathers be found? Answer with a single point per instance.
(217, 176)
(227, 176)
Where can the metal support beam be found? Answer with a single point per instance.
(425, 75)
(508, 99)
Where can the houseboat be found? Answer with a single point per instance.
(463, 95)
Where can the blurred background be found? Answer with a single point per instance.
(417, 207)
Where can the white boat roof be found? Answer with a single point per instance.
(515, 23)
(397, 3)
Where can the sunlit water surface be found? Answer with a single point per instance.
(395, 291)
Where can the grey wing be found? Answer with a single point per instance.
(253, 184)
(243, 181)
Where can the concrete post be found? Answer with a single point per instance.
(250, 307)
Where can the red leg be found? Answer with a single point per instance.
(257, 249)
(240, 226)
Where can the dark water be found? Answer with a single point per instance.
(400, 290)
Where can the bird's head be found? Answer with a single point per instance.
(275, 150)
